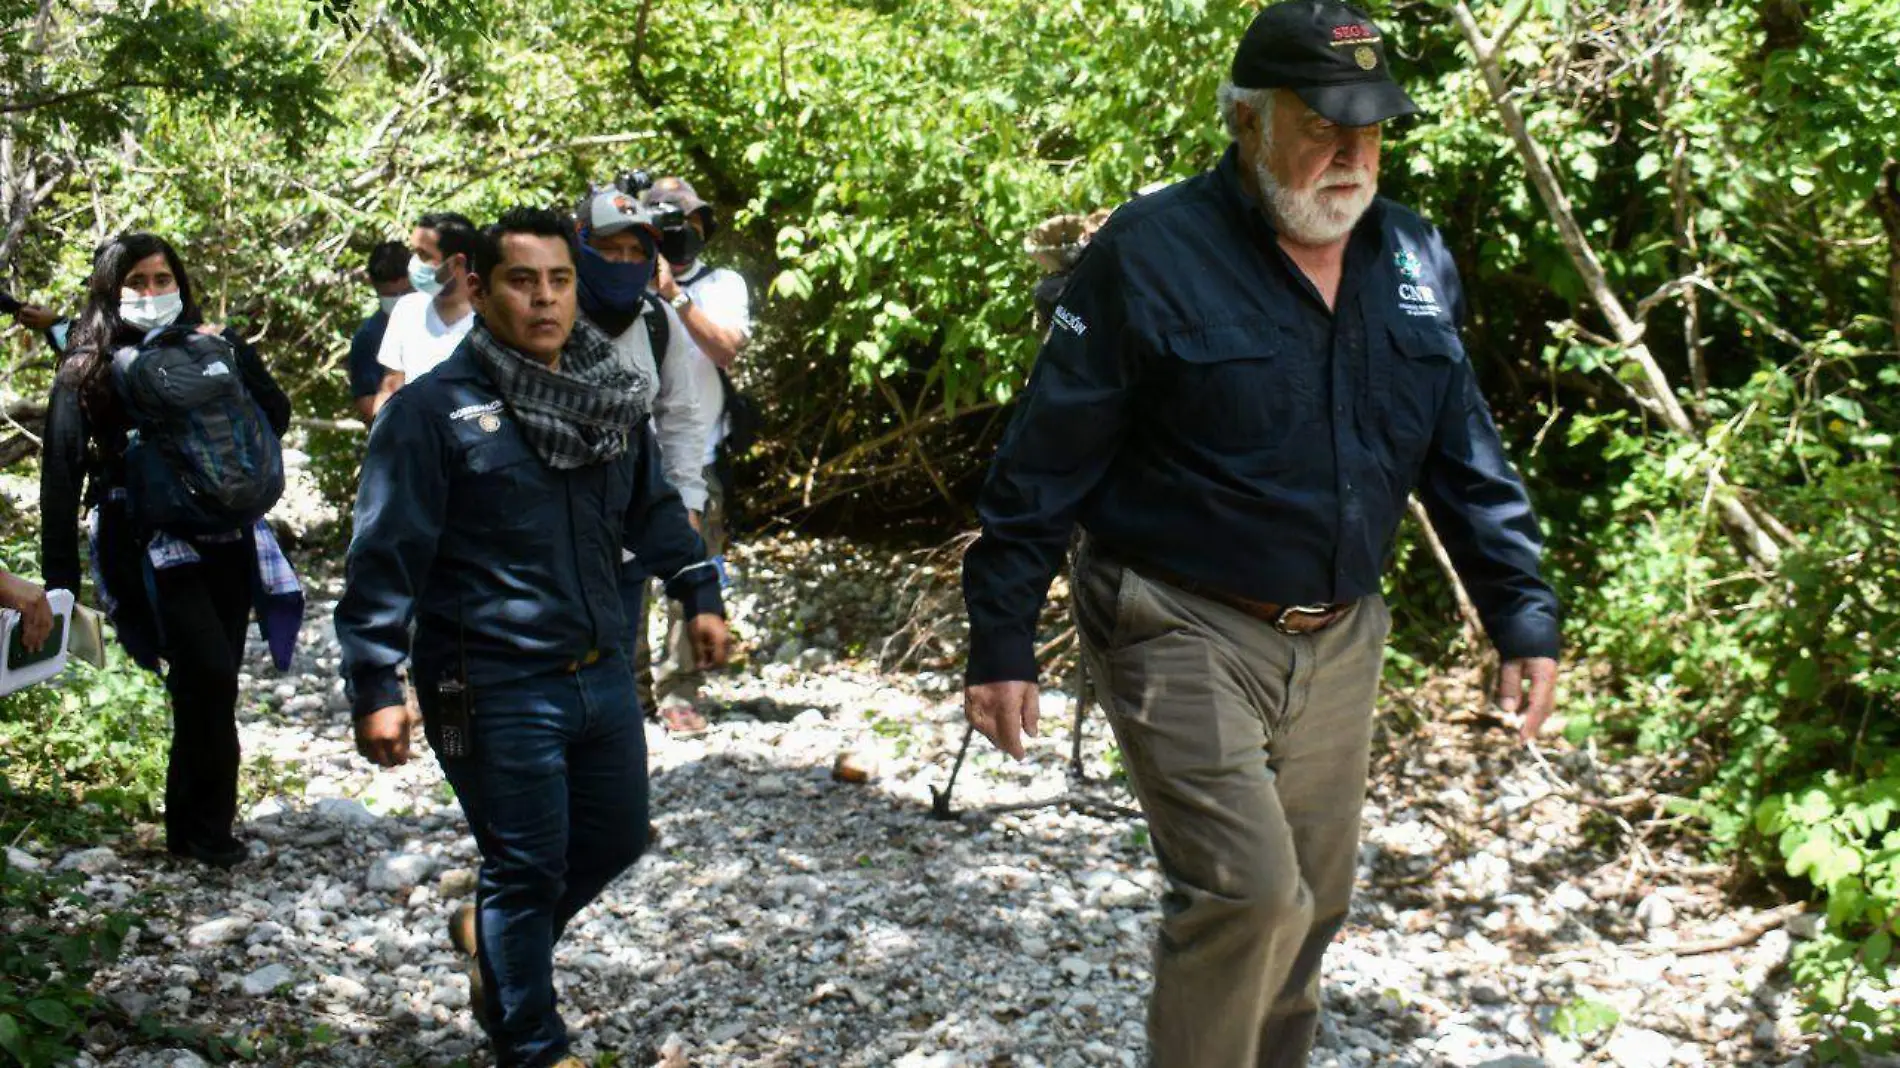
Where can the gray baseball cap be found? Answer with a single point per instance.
(609, 211)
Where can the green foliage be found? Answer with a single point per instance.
(1785, 682)
(83, 754)
(1583, 1018)
(1843, 835)
(50, 947)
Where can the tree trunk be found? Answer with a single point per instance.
(1747, 530)
(1887, 206)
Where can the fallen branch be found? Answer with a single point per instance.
(1748, 935)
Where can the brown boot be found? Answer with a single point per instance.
(462, 937)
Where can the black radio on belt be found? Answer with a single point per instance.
(454, 716)
(455, 707)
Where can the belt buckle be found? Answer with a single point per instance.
(1281, 621)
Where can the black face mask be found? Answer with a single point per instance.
(681, 246)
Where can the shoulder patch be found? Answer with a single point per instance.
(1070, 321)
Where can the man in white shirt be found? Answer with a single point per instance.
(426, 326)
(715, 306)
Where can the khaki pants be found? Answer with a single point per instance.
(1248, 749)
(676, 679)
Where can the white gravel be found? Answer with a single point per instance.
(784, 918)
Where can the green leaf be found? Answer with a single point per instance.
(53, 1014)
(1877, 949)
(1584, 1017)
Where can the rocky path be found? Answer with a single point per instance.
(789, 919)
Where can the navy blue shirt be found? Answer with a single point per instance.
(366, 375)
(498, 558)
(1198, 408)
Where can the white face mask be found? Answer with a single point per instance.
(388, 303)
(149, 313)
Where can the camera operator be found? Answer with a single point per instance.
(715, 306)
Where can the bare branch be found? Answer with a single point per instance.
(1747, 530)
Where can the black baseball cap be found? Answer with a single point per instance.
(1329, 53)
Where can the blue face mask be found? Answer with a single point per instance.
(610, 293)
(422, 276)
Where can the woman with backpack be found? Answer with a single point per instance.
(186, 599)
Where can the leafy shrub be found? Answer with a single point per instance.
(50, 946)
(1781, 687)
(84, 753)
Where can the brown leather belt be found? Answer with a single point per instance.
(1287, 618)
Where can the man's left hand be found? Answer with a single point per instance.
(1540, 674)
(707, 632)
(664, 284)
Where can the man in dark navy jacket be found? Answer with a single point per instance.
(497, 495)
(1247, 375)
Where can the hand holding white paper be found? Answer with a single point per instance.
(20, 668)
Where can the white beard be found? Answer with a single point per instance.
(1316, 216)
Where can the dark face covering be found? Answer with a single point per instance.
(681, 247)
(610, 293)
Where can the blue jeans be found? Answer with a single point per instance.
(555, 791)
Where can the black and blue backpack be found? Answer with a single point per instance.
(201, 458)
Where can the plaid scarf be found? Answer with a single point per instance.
(583, 414)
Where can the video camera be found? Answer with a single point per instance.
(668, 217)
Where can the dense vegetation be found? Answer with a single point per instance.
(880, 162)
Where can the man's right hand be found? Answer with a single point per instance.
(383, 736)
(1004, 712)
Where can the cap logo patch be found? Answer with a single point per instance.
(1356, 31)
(1365, 57)
(621, 203)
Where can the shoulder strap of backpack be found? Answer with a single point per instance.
(659, 334)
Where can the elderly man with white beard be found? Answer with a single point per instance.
(1247, 375)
